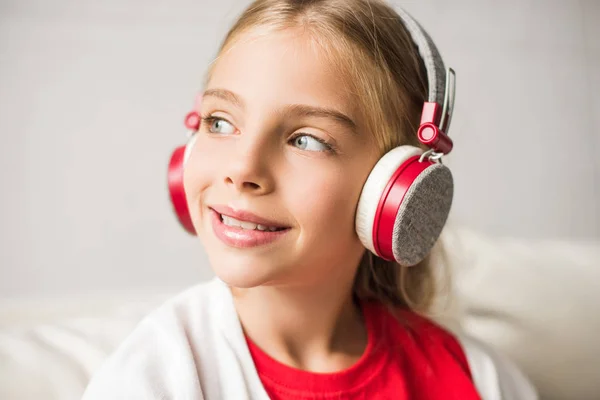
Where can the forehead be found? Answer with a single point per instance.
(284, 67)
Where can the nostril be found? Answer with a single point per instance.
(242, 184)
(251, 185)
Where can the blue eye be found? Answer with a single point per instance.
(310, 143)
(218, 125)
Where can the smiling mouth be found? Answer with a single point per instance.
(250, 226)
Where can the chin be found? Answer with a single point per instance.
(243, 273)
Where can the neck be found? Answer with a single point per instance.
(315, 327)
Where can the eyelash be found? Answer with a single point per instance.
(207, 120)
(329, 146)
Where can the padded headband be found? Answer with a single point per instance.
(436, 71)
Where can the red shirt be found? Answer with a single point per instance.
(407, 357)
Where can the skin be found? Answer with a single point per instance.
(293, 296)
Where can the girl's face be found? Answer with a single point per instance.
(281, 145)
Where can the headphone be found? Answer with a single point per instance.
(406, 199)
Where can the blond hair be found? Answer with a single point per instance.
(366, 42)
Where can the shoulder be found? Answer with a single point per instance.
(157, 360)
(494, 375)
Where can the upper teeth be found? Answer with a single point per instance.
(230, 221)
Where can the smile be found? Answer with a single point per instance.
(251, 226)
(243, 229)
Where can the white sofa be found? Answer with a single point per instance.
(537, 301)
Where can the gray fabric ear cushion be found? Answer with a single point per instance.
(422, 215)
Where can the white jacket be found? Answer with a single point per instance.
(193, 348)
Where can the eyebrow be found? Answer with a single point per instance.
(225, 95)
(295, 109)
(320, 112)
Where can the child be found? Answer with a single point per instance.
(313, 179)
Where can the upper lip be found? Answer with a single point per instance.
(247, 216)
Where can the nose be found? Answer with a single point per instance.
(250, 169)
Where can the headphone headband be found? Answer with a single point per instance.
(441, 81)
(436, 72)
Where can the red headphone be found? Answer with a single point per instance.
(405, 201)
(175, 174)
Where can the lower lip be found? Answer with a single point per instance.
(243, 238)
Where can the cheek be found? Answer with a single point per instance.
(199, 172)
(325, 202)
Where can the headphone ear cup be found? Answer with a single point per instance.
(422, 214)
(188, 148)
(176, 189)
(373, 189)
(404, 206)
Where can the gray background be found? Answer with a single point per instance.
(93, 93)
